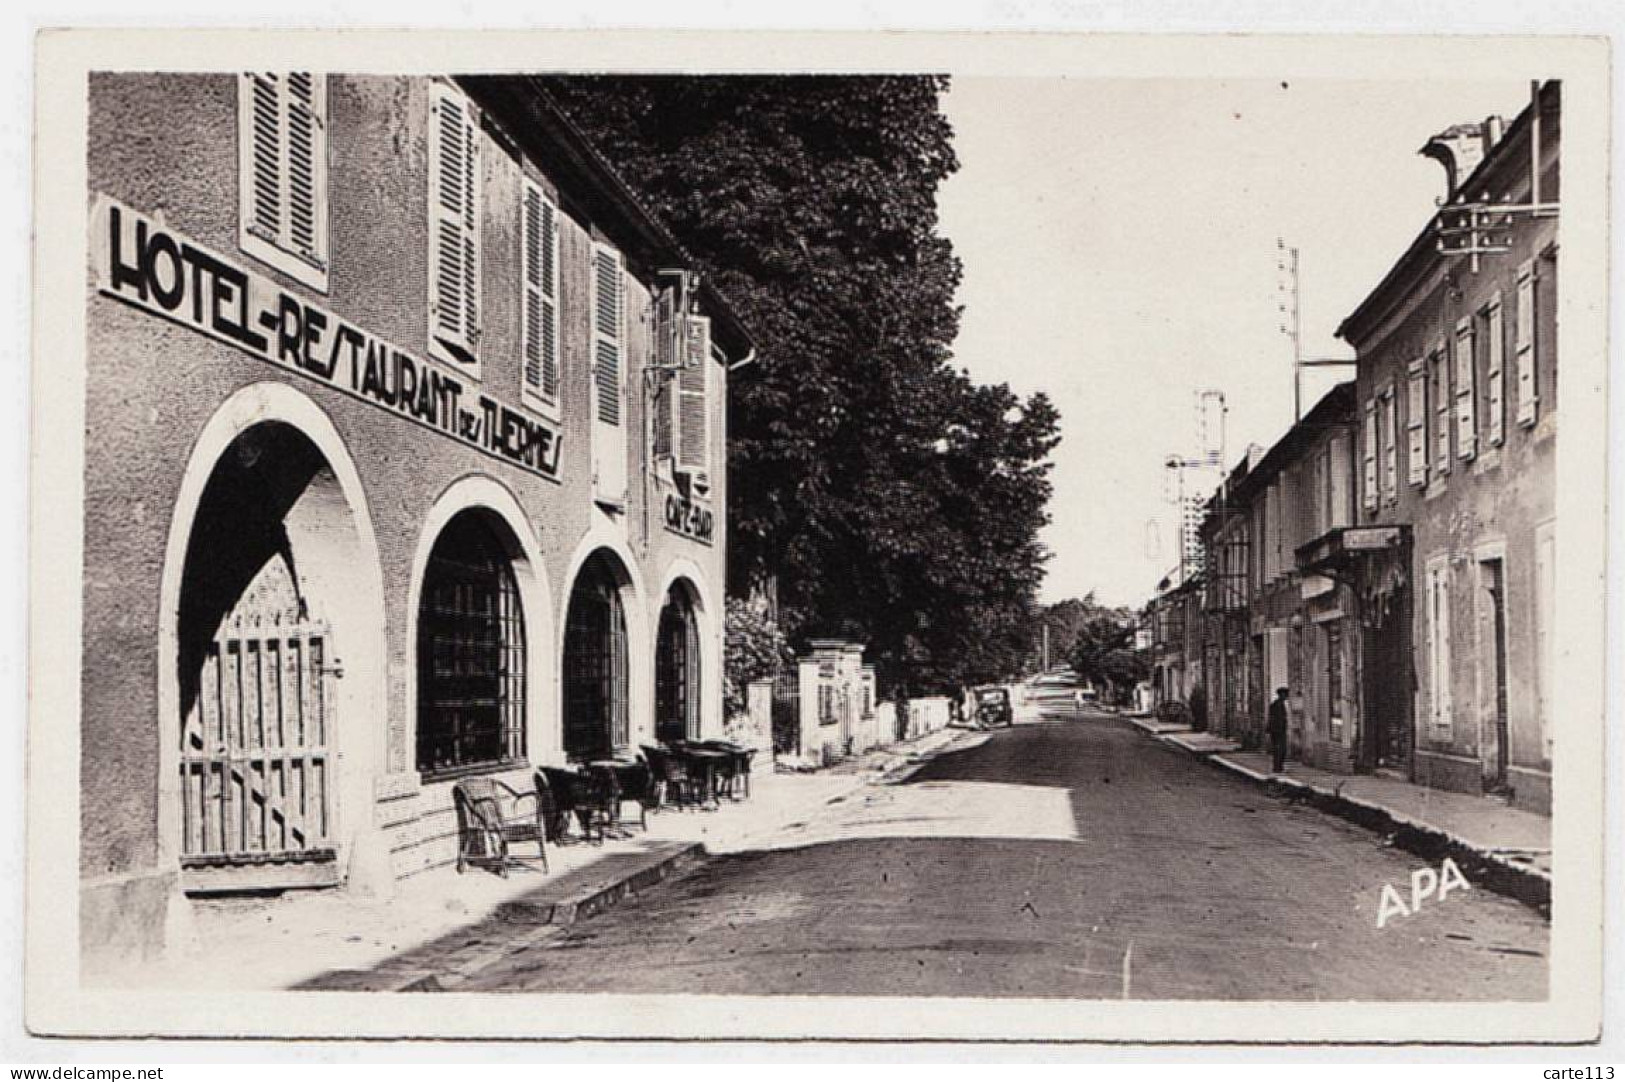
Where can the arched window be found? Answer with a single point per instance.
(677, 669)
(471, 652)
(595, 664)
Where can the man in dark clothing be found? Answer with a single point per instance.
(1277, 729)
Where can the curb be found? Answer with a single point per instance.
(916, 762)
(544, 919)
(1483, 867)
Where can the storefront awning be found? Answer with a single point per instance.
(1343, 547)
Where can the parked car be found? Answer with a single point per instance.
(993, 706)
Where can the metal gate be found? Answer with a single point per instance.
(257, 761)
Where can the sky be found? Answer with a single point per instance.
(1119, 241)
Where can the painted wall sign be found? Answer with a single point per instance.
(146, 264)
(689, 518)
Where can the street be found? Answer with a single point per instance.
(1071, 858)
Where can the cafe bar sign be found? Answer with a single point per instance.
(144, 263)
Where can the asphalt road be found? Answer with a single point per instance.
(1066, 858)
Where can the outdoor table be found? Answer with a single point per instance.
(708, 761)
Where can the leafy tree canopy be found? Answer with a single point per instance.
(887, 497)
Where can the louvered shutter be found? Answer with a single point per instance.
(1390, 443)
(1466, 391)
(454, 212)
(1439, 604)
(694, 433)
(1524, 345)
(283, 161)
(1416, 413)
(1439, 362)
(1368, 458)
(609, 438)
(541, 304)
(1495, 374)
(665, 393)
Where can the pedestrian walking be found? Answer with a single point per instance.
(1276, 725)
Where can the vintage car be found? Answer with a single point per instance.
(993, 706)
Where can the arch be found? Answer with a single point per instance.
(328, 553)
(605, 549)
(682, 573)
(483, 493)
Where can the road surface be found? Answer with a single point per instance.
(1072, 858)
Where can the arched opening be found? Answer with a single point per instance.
(596, 664)
(471, 650)
(677, 667)
(269, 594)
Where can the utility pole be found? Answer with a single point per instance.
(1291, 325)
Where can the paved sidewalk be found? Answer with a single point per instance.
(438, 923)
(1509, 849)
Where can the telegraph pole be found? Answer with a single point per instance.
(1286, 263)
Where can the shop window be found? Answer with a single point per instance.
(454, 227)
(540, 229)
(282, 163)
(471, 653)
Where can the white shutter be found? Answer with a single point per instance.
(1495, 375)
(454, 225)
(1390, 449)
(1524, 345)
(1439, 361)
(1545, 631)
(541, 300)
(1341, 471)
(609, 437)
(282, 157)
(1440, 704)
(1466, 391)
(694, 429)
(1368, 454)
(1416, 411)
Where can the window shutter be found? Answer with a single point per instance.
(609, 438)
(665, 354)
(454, 301)
(1390, 472)
(541, 307)
(1368, 487)
(1439, 605)
(1342, 475)
(693, 420)
(1466, 391)
(1524, 345)
(1439, 361)
(283, 162)
(1495, 376)
(1416, 412)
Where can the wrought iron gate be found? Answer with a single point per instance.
(257, 759)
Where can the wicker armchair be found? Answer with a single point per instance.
(671, 778)
(489, 818)
(636, 782)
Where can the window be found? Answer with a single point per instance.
(282, 162)
(1341, 471)
(471, 653)
(1466, 391)
(1494, 375)
(1416, 413)
(540, 332)
(1438, 647)
(608, 362)
(1523, 346)
(454, 227)
(1368, 454)
(1439, 363)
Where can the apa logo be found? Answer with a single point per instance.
(1425, 883)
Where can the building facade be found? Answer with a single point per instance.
(1458, 355)
(405, 462)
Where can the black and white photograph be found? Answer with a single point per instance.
(934, 537)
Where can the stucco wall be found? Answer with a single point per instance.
(167, 147)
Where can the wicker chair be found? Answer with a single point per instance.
(574, 794)
(636, 782)
(672, 780)
(489, 819)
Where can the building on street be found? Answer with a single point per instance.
(405, 463)
(1453, 544)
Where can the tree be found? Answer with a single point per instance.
(1103, 647)
(888, 497)
(754, 649)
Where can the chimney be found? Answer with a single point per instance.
(1459, 148)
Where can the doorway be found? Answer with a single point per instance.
(595, 677)
(677, 668)
(1493, 658)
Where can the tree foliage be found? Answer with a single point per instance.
(755, 649)
(1102, 644)
(887, 496)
